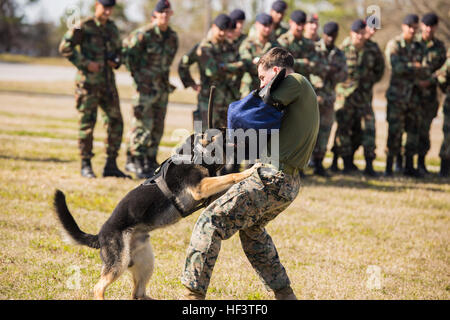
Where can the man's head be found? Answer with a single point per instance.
(238, 16)
(264, 25)
(330, 33)
(277, 11)
(372, 25)
(221, 25)
(429, 25)
(297, 23)
(410, 25)
(162, 13)
(312, 26)
(358, 33)
(272, 63)
(104, 9)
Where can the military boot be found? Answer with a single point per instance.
(86, 169)
(129, 165)
(409, 168)
(421, 165)
(285, 294)
(369, 170)
(398, 164)
(319, 169)
(389, 162)
(141, 172)
(349, 166)
(111, 169)
(445, 168)
(334, 165)
(192, 295)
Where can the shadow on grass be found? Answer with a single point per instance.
(30, 159)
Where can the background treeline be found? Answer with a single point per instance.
(193, 17)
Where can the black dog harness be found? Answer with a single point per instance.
(159, 179)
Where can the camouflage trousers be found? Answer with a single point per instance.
(445, 148)
(88, 99)
(222, 99)
(355, 125)
(326, 110)
(247, 207)
(428, 111)
(402, 116)
(147, 124)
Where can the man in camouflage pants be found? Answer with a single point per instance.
(94, 47)
(434, 58)
(324, 87)
(443, 77)
(149, 52)
(247, 207)
(405, 56)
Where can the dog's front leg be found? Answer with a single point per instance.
(212, 185)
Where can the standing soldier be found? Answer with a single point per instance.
(324, 87)
(429, 104)
(277, 13)
(94, 48)
(149, 52)
(236, 38)
(405, 56)
(443, 77)
(239, 17)
(312, 27)
(353, 102)
(252, 49)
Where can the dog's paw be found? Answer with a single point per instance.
(256, 166)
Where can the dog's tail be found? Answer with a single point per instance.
(70, 227)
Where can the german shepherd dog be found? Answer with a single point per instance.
(123, 239)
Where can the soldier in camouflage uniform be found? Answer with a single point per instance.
(247, 207)
(238, 16)
(443, 77)
(353, 102)
(434, 58)
(94, 47)
(405, 56)
(277, 13)
(324, 87)
(252, 49)
(312, 27)
(149, 52)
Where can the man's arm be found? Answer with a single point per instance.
(68, 48)
(184, 67)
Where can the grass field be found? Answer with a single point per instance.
(347, 237)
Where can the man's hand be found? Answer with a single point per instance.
(93, 67)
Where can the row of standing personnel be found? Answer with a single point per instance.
(227, 59)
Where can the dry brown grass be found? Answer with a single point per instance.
(327, 239)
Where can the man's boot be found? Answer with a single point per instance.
(445, 168)
(86, 169)
(141, 173)
(369, 171)
(285, 294)
(111, 169)
(349, 166)
(319, 169)
(192, 295)
(129, 165)
(353, 166)
(398, 164)
(421, 165)
(409, 168)
(389, 162)
(334, 165)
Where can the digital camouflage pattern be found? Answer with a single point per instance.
(443, 78)
(435, 54)
(148, 54)
(246, 207)
(250, 49)
(403, 113)
(90, 41)
(354, 114)
(325, 90)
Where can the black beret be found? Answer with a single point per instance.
(358, 25)
(330, 28)
(298, 16)
(162, 5)
(264, 19)
(372, 21)
(411, 19)
(108, 3)
(312, 17)
(223, 21)
(430, 19)
(237, 15)
(279, 6)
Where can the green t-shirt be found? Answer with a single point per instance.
(300, 122)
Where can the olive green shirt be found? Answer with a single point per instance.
(300, 122)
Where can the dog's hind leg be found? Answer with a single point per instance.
(142, 265)
(107, 277)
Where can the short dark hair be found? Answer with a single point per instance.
(277, 57)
